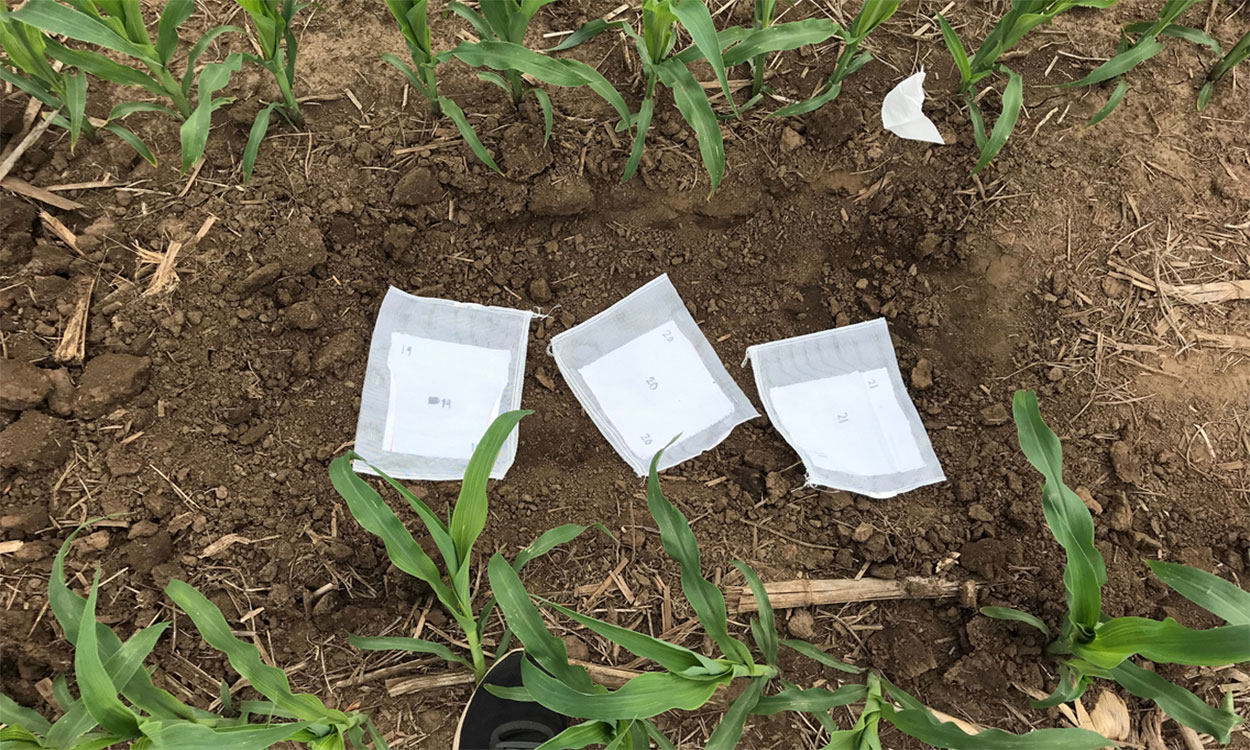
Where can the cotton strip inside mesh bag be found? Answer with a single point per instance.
(645, 373)
(838, 400)
(439, 373)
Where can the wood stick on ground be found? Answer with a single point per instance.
(807, 592)
(22, 187)
(11, 159)
(74, 339)
(62, 232)
(165, 278)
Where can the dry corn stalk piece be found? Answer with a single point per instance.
(808, 592)
(74, 339)
(1193, 294)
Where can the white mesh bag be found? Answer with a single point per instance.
(838, 400)
(645, 373)
(439, 373)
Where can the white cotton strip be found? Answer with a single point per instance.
(902, 111)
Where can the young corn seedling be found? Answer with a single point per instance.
(1090, 644)
(311, 722)
(25, 65)
(1234, 57)
(871, 15)
(277, 47)
(119, 26)
(118, 701)
(1130, 53)
(413, 17)
(454, 541)
(1024, 16)
(622, 717)
(507, 21)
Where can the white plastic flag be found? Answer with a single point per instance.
(838, 400)
(439, 373)
(902, 111)
(646, 374)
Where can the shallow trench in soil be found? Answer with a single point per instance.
(204, 418)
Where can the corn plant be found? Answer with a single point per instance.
(311, 722)
(1130, 53)
(454, 540)
(1234, 57)
(118, 701)
(765, 12)
(118, 25)
(688, 680)
(1091, 645)
(1024, 16)
(25, 65)
(850, 59)
(277, 48)
(414, 24)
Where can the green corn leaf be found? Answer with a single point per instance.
(810, 700)
(133, 140)
(587, 32)
(957, 51)
(548, 541)
(18, 738)
(927, 728)
(76, 104)
(549, 70)
(99, 694)
(697, 20)
(1066, 514)
(410, 74)
(260, 126)
(194, 132)
(656, 736)
(1205, 94)
(468, 518)
(1166, 642)
(1177, 702)
(13, 714)
(642, 123)
(61, 20)
(518, 694)
(496, 79)
(1121, 63)
(174, 14)
(1117, 96)
(728, 733)
(478, 23)
(978, 124)
(629, 736)
(453, 111)
(1007, 613)
(764, 627)
(199, 48)
(872, 14)
(31, 87)
(1214, 594)
(826, 95)
(581, 735)
(1013, 100)
(375, 736)
(544, 105)
(433, 524)
(270, 682)
(414, 645)
(642, 697)
(190, 736)
(524, 620)
(1193, 36)
(1071, 686)
(672, 657)
(816, 654)
(104, 68)
(692, 102)
(367, 508)
(680, 544)
(779, 38)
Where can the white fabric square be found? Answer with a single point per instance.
(645, 373)
(439, 373)
(838, 399)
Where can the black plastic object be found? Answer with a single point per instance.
(493, 723)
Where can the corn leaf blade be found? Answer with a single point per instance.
(642, 697)
(13, 714)
(260, 126)
(927, 728)
(581, 735)
(99, 694)
(1121, 63)
(1007, 613)
(672, 657)
(763, 627)
(469, 516)
(816, 654)
(779, 38)
(270, 682)
(1013, 100)
(697, 20)
(810, 700)
(729, 732)
(1214, 594)
(1166, 642)
(1176, 701)
(1066, 514)
(412, 645)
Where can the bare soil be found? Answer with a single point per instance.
(204, 418)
